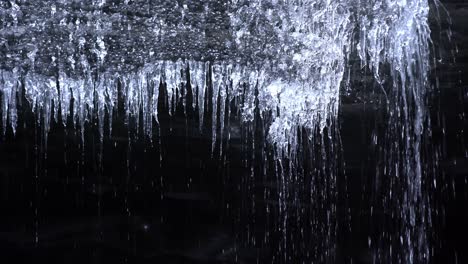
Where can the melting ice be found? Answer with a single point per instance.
(294, 53)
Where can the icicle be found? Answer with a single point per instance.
(111, 97)
(217, 81)
(155, 73)
(65, 96)
(42, 93)
(201, 80)
(100, 89)
(9, 87)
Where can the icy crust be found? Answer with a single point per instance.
(112, 34)
(294, 52)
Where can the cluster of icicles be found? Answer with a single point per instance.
(94, 97)
(312, 42)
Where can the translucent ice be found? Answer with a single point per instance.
(286, 59)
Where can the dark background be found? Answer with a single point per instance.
(118, 202)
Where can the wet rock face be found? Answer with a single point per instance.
(123, 35)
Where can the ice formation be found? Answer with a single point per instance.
(282, 44)
(287, 59)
